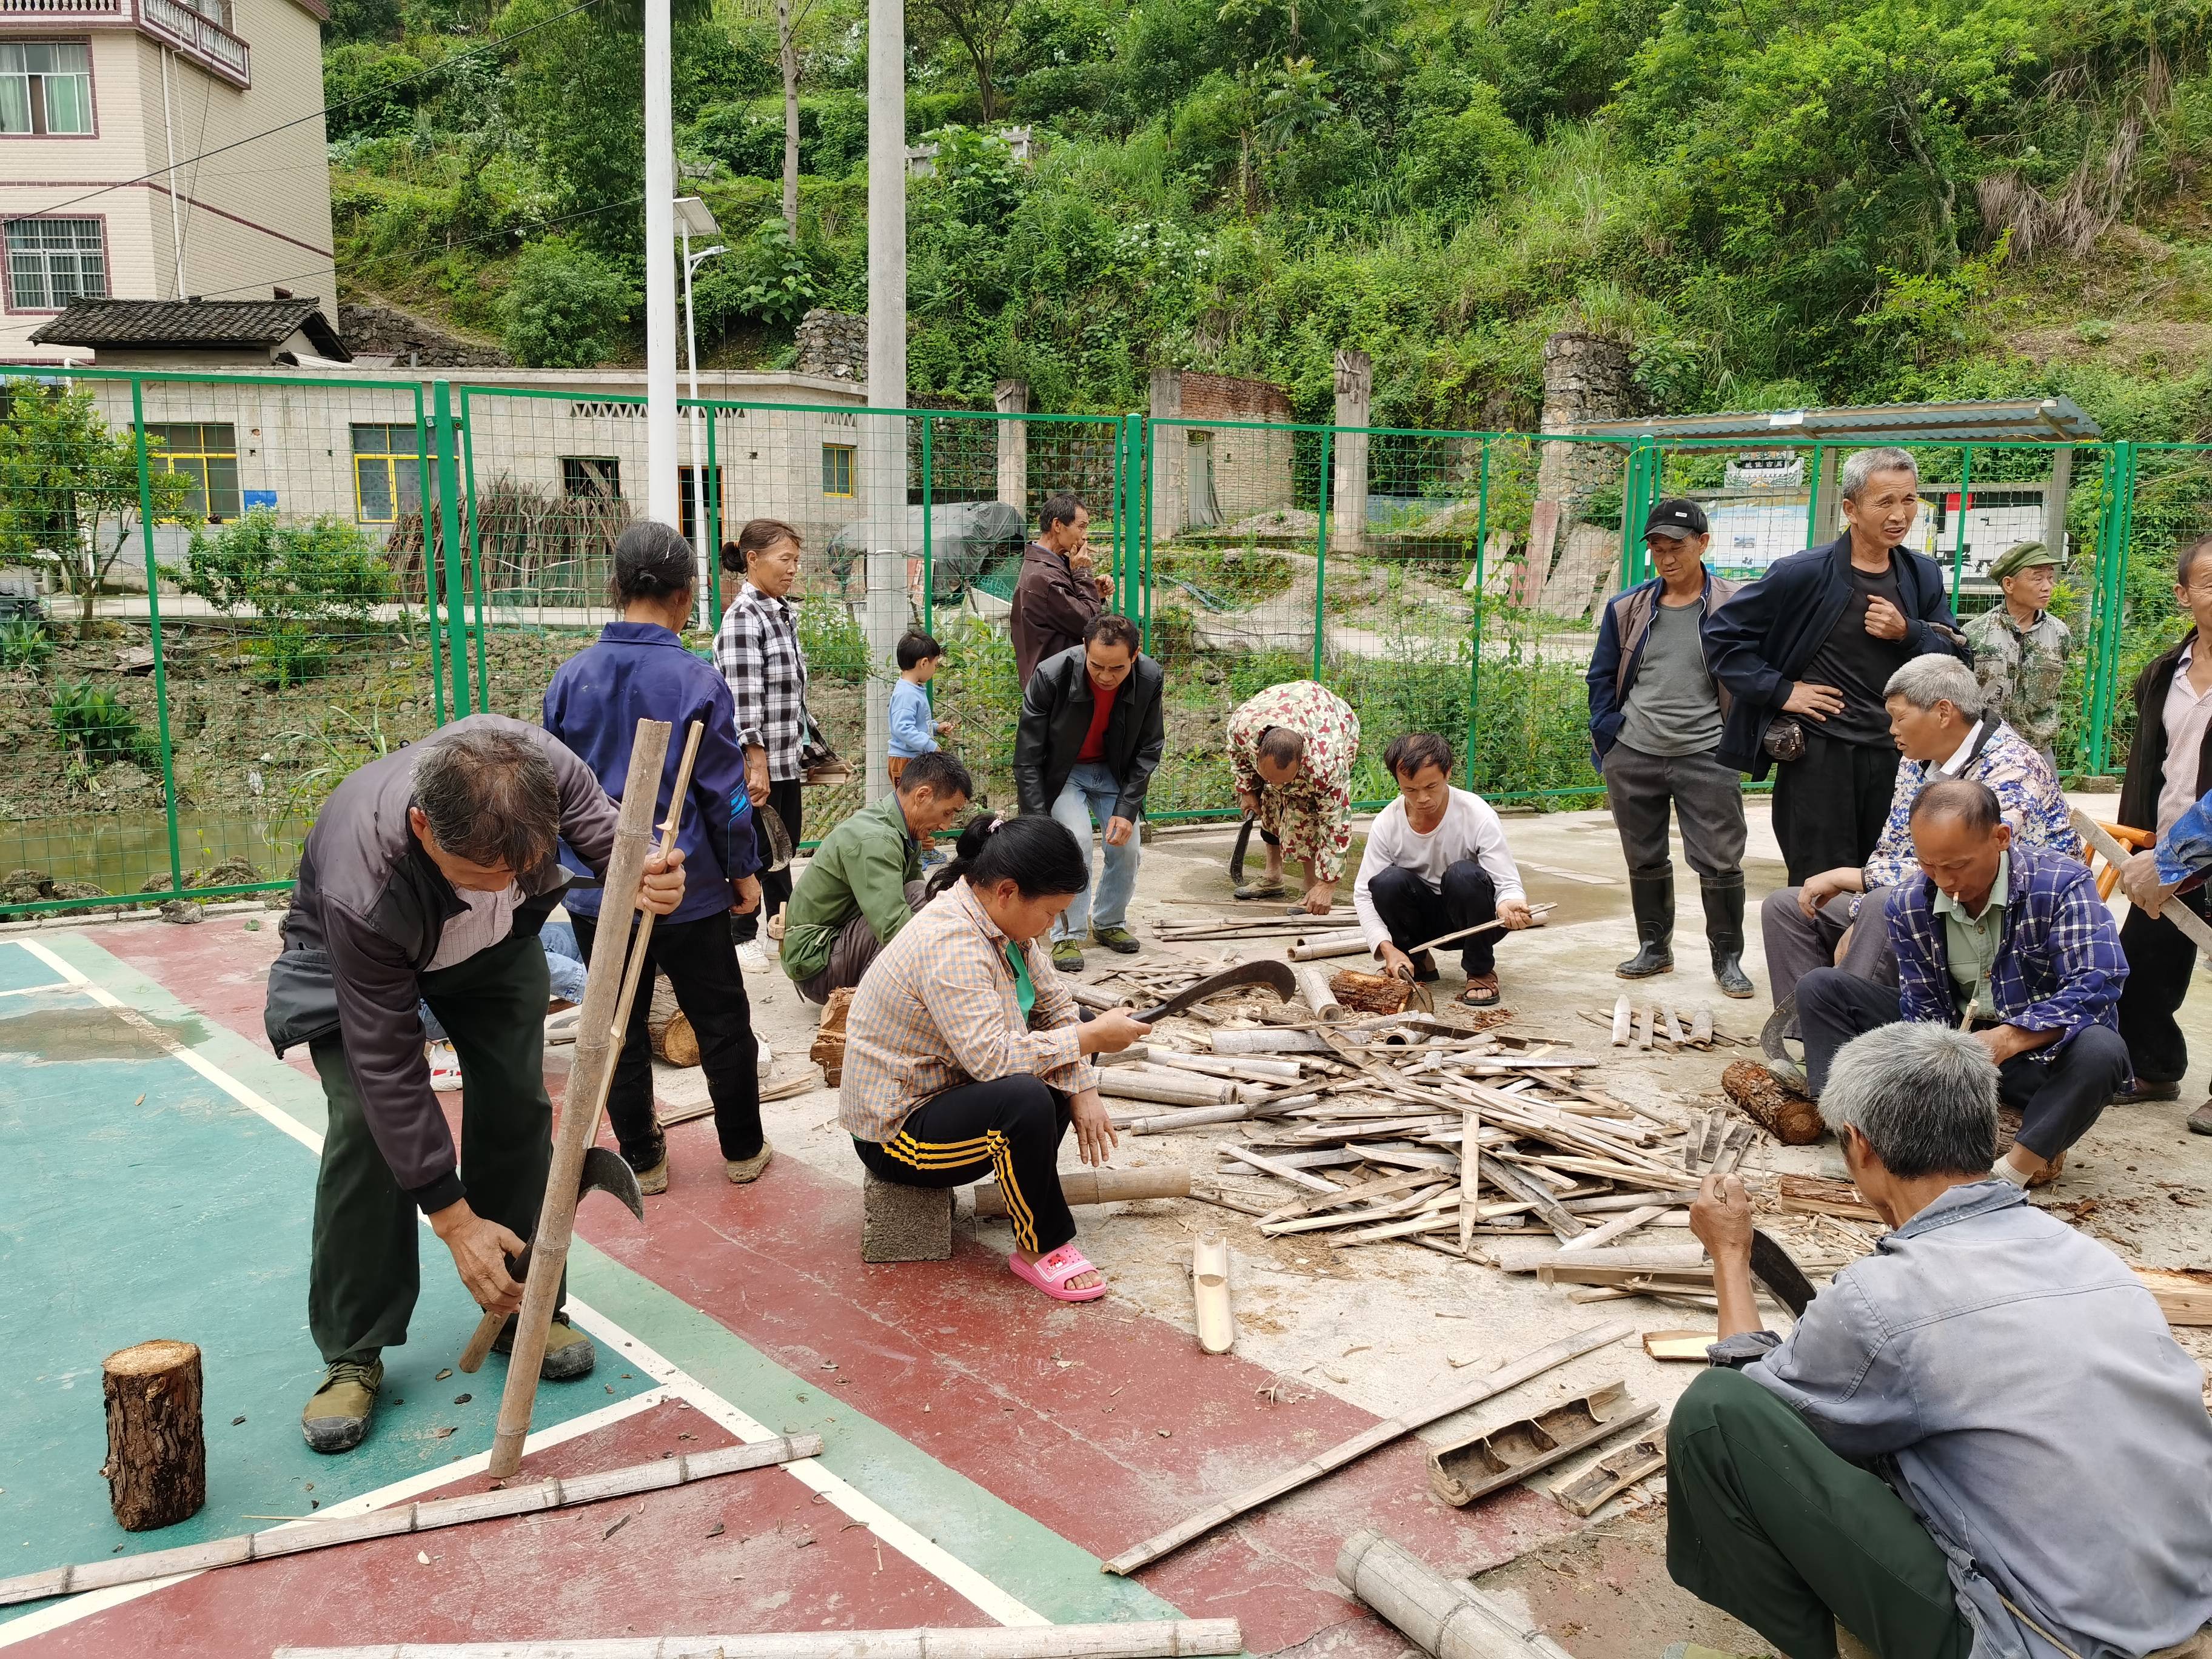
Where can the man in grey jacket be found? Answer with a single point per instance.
(425, 879)
(1981, 1440)
(1655, 720)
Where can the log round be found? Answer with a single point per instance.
(673, 1040)
(156, 1466)
(1787, 1116)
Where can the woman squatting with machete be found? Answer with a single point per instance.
(965, 1056)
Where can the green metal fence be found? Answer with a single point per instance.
(248, 584)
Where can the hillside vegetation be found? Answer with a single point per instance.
(1775, 201)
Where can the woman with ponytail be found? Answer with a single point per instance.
(640, 669)
(965, 1056)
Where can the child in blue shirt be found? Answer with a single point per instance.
(912, 730)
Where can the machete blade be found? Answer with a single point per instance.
(1276, 975)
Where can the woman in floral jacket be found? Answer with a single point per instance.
(1291, 749)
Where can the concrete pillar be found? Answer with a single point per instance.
(1826, 517)
(2054, 501)
(1013, 398)
(886, 445)
(1171, 456)
(1347, 486)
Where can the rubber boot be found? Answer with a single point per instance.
(1724, 932)
(1653, 899)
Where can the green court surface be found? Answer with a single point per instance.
(138, 1198)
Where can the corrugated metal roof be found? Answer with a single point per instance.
(192, 324)
(2022, 420)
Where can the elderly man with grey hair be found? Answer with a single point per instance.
(1941, 729)
(1981, 1440)
(1806, 652)
(424, 881)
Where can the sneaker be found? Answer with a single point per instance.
(742, 1171)
(2200, 1120)
(445, 1067)
(569, 1352)
(1116, 938)
(1067, 956)
(337, 1418)
(767, 1066)
(752, 957)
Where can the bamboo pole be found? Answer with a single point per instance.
(1152, 1638)
(1097, 1186)
(1458, 1399)
(1334, 942)
(1128, 1083)
(1442, 1617)
(1313, 985)
(609, 983)
(1198, 1117)
(1261, 1040)
(301, 1535)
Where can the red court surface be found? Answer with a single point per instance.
(1059, 1412)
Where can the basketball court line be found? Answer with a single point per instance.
(932, 1557)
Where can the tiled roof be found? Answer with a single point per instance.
(206, 323)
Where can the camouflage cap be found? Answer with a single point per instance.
(2014, 560)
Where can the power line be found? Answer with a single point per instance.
(437, 69)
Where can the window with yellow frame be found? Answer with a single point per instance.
(387, 473)
(206, 453)
(837, 468)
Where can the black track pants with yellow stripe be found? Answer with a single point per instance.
(1010, 1127)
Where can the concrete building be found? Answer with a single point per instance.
(155, 150)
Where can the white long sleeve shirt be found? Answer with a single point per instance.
(1469, 829)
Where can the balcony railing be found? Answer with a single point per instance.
(201, 36)
(42, 10)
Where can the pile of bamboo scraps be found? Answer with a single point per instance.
(1412, 1129)
(1659, 1025)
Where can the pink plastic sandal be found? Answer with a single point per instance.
(1050, 1272)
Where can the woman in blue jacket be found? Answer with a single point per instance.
(640, 670)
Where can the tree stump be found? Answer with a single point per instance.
(829, 1050)
(1787, 1116)
(156, 1468)
(1370, 993)
(673, 1039)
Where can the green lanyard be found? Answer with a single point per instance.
(1024, 988)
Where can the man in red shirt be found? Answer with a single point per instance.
(1092, 729)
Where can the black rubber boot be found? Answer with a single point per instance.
(1653, 898)
(1725, 933)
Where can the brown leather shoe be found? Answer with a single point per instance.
(2200, 1120)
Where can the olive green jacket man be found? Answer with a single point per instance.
(861, 868)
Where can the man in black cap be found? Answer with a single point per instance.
(1655, 720)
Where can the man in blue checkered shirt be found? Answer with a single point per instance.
(757, 648)
(2009, 941)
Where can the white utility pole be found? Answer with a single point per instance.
(692, 214)
(886, 446)
(662, 500)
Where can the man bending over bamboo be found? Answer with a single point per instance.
(424, 881)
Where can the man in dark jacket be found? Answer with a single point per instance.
(1817, 639)
(425, 879)
(1093, 730)
(1655, 719)
(1057, 594)
(2169, 766)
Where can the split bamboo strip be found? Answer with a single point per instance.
(1198, 1117)
(1366, 1192)
(1382, 1434)
(1253, 1041)
(1144, 1639)
(1286, 1172)
(1405, 1204)
(1127, 1083)
(300, 1535)
(591, 1074)
(1618, 1227)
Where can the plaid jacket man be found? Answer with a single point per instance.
(757, 648)
(2027, 793)
(2058, 966)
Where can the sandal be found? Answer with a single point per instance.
(1261, 890)
(1050, 1272)
(1482, 992)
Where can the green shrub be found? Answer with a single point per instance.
(565, 307)
(835, 648)
(25, 643)
(309, 586)
(94, 728)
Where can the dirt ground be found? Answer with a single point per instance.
(1367, 1323)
